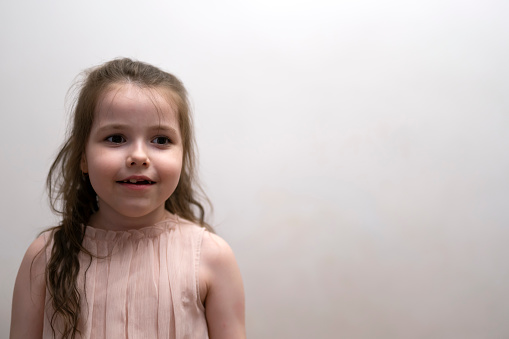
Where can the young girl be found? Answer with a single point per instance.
(132, 257)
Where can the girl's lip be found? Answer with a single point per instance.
(136, 182)
(136, 187)
(135, 179)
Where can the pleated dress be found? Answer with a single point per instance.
(141, 283)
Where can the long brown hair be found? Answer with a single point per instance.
(72, 196)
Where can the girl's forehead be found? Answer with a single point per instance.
(134, 92)
(123, 100)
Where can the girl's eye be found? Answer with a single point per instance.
(116, 139)
(161, 140)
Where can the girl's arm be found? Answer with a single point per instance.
(224, 300)
(29, 294)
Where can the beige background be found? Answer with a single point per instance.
(356, 151)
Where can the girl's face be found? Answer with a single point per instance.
(133, 155)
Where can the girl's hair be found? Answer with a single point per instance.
(72, 196)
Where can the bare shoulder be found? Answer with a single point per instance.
(34, 251)
(222, 289)
(216, 256)
(215, 249)
(29, 293)
(34, 261)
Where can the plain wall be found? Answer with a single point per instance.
(356, 152)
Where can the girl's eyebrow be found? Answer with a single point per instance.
(163, 128)
(111, 126)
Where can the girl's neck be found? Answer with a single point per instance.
(115, 222)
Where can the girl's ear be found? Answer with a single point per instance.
(83, 164)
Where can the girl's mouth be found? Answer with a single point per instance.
(136, 182)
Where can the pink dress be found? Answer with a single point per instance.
(143, 285)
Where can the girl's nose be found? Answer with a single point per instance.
(138, 157)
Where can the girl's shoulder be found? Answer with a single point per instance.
(38, 244)
(36, 252)
(222, 288)
(215, 250)
(34, 262)
(29, 292)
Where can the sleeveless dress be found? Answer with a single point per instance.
(142, 284)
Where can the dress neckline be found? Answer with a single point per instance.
(144, 232)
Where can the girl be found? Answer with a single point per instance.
(132, 257)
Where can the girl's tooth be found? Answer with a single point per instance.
(133, 181)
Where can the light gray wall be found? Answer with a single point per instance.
(356, 151)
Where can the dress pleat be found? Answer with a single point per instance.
(139, 283)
